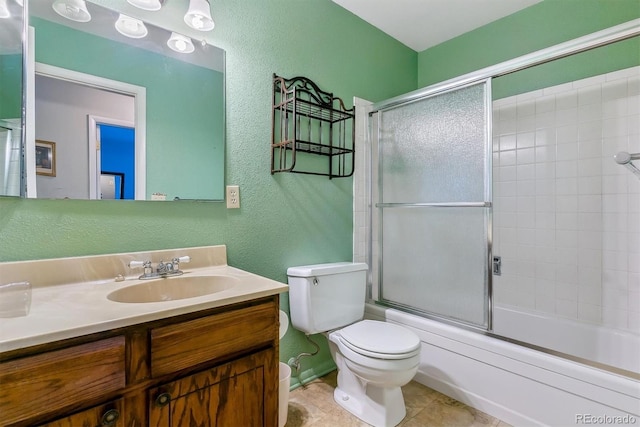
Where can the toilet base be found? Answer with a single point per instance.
(372, 395)
(380, 407)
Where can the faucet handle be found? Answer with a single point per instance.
(139, 264)
(142, 264)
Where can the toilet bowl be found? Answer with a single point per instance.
(374, 359)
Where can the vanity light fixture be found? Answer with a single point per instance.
(198, 16)
(152, 5)
(131, 27)
(4, 10)
(75, 10)
(180, 43)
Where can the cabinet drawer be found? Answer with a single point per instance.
(107, 415)
(50, 381)
(187, 344)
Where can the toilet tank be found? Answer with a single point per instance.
(323, 297)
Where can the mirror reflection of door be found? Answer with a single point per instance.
(62, 106)
(116, 157)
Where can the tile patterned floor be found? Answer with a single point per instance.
(313, 405)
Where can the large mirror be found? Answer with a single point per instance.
(11, 61)
(118, 117)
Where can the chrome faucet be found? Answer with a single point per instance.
(163, 269)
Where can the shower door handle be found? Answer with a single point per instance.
(497, 265)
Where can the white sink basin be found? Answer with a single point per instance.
(174, 288)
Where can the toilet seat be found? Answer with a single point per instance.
(379, 340)
(376, 366)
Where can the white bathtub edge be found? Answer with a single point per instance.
(534, 388)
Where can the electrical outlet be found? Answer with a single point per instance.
(233, 197)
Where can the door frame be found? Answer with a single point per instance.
(95, 166)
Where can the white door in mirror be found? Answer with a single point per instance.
(233, 196)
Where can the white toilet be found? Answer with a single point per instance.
(374, 358)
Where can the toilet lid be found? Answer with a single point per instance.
(380, 339)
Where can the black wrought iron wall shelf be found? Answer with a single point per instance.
(309, 121)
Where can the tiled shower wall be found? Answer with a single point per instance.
(566, 216)
(360, 184)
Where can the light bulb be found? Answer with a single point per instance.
(146, 4)
(180, 43)
(198, 16)
(4, 10)
(197, 22)
(75, 10)
(131, 27)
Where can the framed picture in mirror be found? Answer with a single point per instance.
(45, 158)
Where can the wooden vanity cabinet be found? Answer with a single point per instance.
(217, 367)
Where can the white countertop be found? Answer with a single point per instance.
(71, 310)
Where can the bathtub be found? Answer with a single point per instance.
(591, 342)
(516, 384)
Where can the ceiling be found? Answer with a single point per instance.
(421, 24)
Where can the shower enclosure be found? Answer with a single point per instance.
(497, 204)
(434, 204)
(10, 157)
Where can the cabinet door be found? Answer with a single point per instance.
(239, 393)
(60, 379)
(107, 415)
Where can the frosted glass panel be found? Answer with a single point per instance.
(434, 150)
(435, 260)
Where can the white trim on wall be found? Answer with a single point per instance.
(30, 124)
(94, 160)
(360, 180)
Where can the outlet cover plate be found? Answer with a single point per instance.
(233, 196)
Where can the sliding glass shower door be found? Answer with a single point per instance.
(433, 204)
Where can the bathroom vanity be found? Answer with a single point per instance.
(207, 360)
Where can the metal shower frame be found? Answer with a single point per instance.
(585, 43)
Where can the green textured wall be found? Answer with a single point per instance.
(618, 56)
(10, 94)
(537, 27)
(285, 219)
